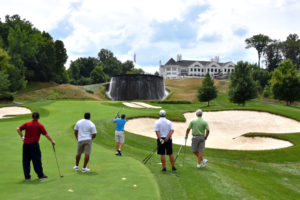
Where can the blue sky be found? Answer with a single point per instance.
(157, 30)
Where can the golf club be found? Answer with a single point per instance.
(57, 162)
(147, 158)
(184, 152)
(236, 137)
(178, 153)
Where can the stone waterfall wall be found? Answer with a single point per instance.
(136, 87)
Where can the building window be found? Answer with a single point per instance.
(202, 70)
(198, 70)
(216, 70)
(168, 68)
(224, 70)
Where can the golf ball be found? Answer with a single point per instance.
(134, 185)
(124, 179)
(70, 190)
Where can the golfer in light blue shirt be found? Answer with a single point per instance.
(119, 133)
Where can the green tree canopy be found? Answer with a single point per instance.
(98, 75)
(259, 42)
(208, 90)
(4, 87)
(285, 82)
(291, 49)
(242, 87)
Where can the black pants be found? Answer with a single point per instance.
(32, 152)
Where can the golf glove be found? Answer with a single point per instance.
(22, 138)
(185, 137)
(162, 141)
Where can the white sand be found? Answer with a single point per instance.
(13, 111)
(226, 125)
(139, 105)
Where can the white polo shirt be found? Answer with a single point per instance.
(163, 126)
(85, 128)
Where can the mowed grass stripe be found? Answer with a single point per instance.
(104, 181)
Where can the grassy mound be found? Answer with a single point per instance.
(66, 91)
(187, 89)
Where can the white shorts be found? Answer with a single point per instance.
(119, 136)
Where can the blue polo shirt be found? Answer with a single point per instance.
(120, 124)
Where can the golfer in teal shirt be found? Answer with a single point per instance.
(119, 133)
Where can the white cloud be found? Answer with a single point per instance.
(125, 27)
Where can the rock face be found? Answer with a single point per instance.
(136, 87)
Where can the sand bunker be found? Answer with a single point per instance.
(7, 111)
(226, 128)
(139, 105)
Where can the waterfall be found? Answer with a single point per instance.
(136, 87)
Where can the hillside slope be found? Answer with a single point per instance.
(187, 89)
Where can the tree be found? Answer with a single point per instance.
(242, 87)
(285, 83)
(259, 42)
(156, 73)
(291, 49)
(273, 55)
(4, 87)
(208, 90)
(262, 76)
(98, 75)
(136, 71)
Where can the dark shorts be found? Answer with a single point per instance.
(163, 148)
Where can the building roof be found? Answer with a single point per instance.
(186, 63)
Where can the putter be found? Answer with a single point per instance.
(57, 163)
(236, 137)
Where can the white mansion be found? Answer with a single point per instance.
(189, 68)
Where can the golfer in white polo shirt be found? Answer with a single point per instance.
(164, 130)
(84, 131)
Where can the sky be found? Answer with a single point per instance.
(157, 30)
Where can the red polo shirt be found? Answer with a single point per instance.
(33, 130)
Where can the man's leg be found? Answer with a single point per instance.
(37, 159)
(163, 161)
(172, 160)
(200, 157)
(86, 160)
(26, 161)
(78, 156)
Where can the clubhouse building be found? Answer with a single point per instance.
(195, 69)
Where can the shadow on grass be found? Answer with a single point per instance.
(36, 181)
(87, 173)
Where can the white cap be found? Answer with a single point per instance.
(162, 113)
(199, 112)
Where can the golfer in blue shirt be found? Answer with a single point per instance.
(119, 133)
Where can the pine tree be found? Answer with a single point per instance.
(208, 90)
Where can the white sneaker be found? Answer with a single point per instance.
(85, 170)
(198, 166)
(76, 168)
(204, 161)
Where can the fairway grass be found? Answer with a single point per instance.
(272, 174)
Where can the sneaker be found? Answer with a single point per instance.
(85, 170)
(117, 153)
(204, 161)
(43, 177)
(163, 169)
(76, 168)
(174, 169)
(27, 179)
(120, 153)
(198, 165)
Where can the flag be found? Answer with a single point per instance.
(134, 58)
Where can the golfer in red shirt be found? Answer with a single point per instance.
(31, 148)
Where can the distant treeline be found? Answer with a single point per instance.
(27, 54)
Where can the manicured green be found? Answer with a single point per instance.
(272, 174)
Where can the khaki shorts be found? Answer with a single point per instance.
(84, 147)
(198, 143)
(119, 136)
